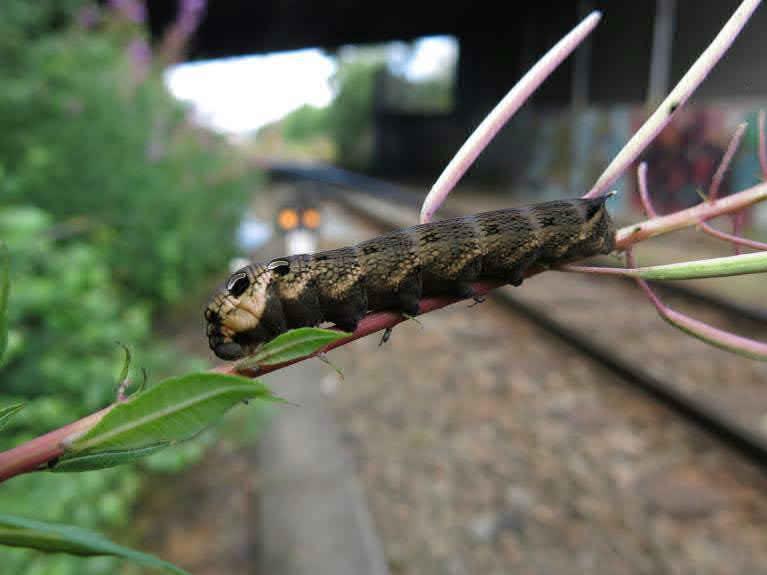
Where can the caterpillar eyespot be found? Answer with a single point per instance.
(237, 284)
(396, 270)
(281, 266)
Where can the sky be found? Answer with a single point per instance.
(432, 55)
(240, 95)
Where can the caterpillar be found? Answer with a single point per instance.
(394, 271)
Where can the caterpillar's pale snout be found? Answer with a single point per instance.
(234, 313)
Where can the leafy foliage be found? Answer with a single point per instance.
(96, 500)
(62, 361)
(429, 96)
(119, 159)
(305, 123)
(66, 317)
(55, 538)
(9, 411)
(4, 288)
(113, 207)
(351, 113)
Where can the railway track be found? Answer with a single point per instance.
(726, 401)
(486, 445)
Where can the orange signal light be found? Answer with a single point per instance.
(287, 219)
(311, 219)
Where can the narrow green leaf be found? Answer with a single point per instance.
(9, 411)
(173, 410)
(59, 538)
(292, 345)
(716, 267)
(103, 459)
(4, 289)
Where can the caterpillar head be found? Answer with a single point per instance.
(599, 228)
(244, 312)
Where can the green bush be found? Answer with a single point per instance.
(351, 112)
(80, 139)
(113, 206)
(305, 123)
(63, 361)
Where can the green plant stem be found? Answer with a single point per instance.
(710, 268)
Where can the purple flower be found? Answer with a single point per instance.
(139, 51)
(140, 56)
(133, 10)
(189, 15)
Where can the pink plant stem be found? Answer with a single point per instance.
(715, 336)
(33, 454)
(636, 233)
(762, 145)
(732, 147)
(506, 108)
(676, 99)
(732, 238)
(631, 264)
(716, 182)
(644, 194)
(712, 335)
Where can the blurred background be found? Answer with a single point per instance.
(149, 148)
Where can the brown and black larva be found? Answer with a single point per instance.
(394, 271)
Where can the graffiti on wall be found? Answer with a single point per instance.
(684, 157)
(571, 150)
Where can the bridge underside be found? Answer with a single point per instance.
(495, 49)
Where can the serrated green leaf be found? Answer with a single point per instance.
(291, 345)
(173, 410)
(58, 538)
(4, 289)
(9, 411)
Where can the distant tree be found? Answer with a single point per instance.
(351, 113)
(306, 123)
